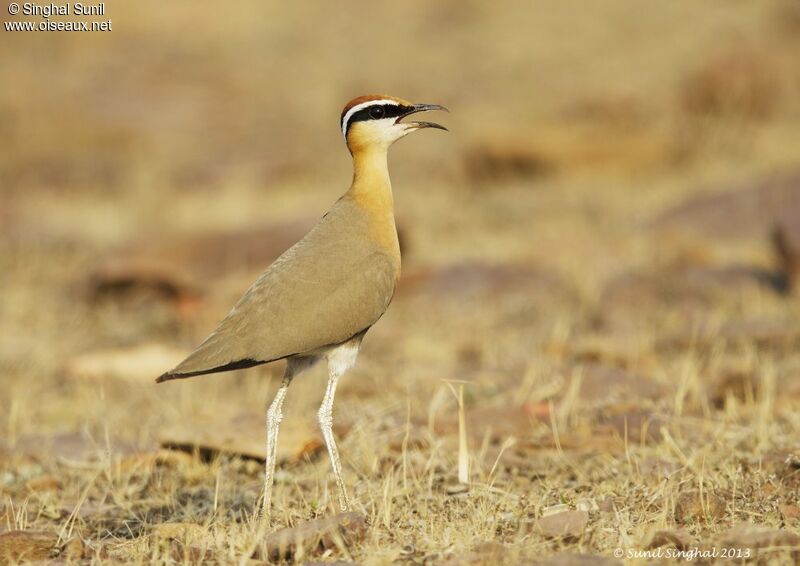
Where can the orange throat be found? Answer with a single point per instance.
(372, 191)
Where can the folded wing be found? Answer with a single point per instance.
(327, 288)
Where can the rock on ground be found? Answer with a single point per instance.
(312, 537)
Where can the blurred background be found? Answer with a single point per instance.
(608, 237)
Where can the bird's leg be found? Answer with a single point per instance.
(326, 424)
(274, 416)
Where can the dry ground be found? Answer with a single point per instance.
(631, 375)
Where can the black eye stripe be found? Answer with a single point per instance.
(377, 112)
(373, 112)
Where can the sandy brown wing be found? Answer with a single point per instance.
(321, 292)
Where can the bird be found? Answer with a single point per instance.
(321, 296)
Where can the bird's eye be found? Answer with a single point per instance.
(376, 112)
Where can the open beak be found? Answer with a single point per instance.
(422, 108)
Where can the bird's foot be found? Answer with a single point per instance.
(263, 508)
(344, 500)
(344, 503)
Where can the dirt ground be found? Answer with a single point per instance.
(603, 255)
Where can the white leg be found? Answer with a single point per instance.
(339, 361)
(326, 424)
(274, 416)
(294, 366)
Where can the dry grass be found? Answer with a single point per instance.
(661, 401)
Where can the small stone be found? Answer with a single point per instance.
(790, 512)
(785, 465)
(75, 549)
(91, 510)
(18, 546)
(312, 537)
(738, 384)
(567, 524)
(638, 426)
(46, 482)
(679, 538)
(490, 552)
(241, 436)
(694, 506)
(408, 550)
(142, 461)
(456, 489)
(607, 504)
(179, 531)
(135, 365)
(586, 504)
(71, 447)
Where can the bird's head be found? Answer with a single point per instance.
(378, 121)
